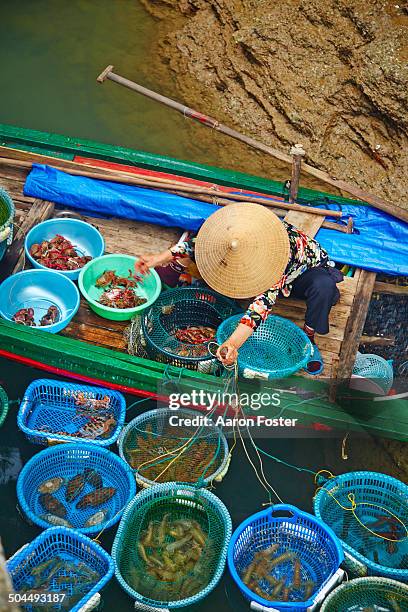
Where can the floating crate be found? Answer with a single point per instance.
(49, 408)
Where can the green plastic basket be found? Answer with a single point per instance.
(4, 405)
(7, 211)
(149, 289)
(368, 594)
(139, 564)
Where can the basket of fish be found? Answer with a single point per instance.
(60, 570)
(55, 411)
(368, 595)
(151, 445)
(181, 325)
(285, 559)
(171, 546)
(368, 511)
(75, 485)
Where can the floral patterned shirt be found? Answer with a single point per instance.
(305, 253)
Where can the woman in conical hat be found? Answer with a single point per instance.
(243, 251)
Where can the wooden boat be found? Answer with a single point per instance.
(94, 349)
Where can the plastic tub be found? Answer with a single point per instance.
(40, 289)
(87, 240)
(149, 288)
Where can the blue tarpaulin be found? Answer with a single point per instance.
(380, 241)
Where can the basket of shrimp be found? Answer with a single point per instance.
(181, 325)
(60, 570)
(368, 511)
(284, 559)
(370, 594)
(75, 485)
(159, 450)
(54, 411)
(171, 546)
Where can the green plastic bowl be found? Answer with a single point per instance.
(150, 287)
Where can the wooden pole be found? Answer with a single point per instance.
(374, 200)
(297, 153)
(130, 179)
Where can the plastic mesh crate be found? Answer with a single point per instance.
(146, 440)
(376, 369)
(173, 503)
(4, 405)
(368, 594)
(377, 496)
(75, 551)
(66, 461)
(51, 412)
(278, 348)
(182, 308)
(302, 539)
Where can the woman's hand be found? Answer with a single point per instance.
(227, 353)
(147, 261)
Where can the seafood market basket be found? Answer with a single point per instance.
(377, 594)
(278, 348)
(54, 411)
(179, 326)
(284, 559)
(171, 546)
(368, 511)
(4, 405)
(77, 485)
(151, 445)
(7, 211)
(62, 570)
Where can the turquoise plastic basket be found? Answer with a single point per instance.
(278, 348)
(179, 500)
(377, 495)
(376, 369)
(367, 594)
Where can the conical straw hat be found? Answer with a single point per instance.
(241, 250)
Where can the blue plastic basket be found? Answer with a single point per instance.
(278, 348)
(71, 546)
(40, 289)
(49, 407)
(172, 499)
(366, 554)
(314, 544)
(87, 240)
(66, 461)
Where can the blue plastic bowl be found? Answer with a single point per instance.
(39, 289)
(87, 240)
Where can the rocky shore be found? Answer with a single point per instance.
(329, 74)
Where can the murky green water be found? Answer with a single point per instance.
(53, 50)
(240, 490)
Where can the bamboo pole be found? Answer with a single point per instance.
(297, 152)
(129, 179)
(374, 200)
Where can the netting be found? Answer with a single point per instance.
(368, 511)
(283, 555)
(75, 485)
(374, 368)
(171, 545)
(160, 450)
(278, 348)
(4, 405)
(368, 594)
(7, 212)
(60, 561)
(54, 411)
(179, 326)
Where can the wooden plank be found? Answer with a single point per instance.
(380, 287)
(355, 325)
(307, 222)
(378, 340)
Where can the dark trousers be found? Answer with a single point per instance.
(318, 287)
